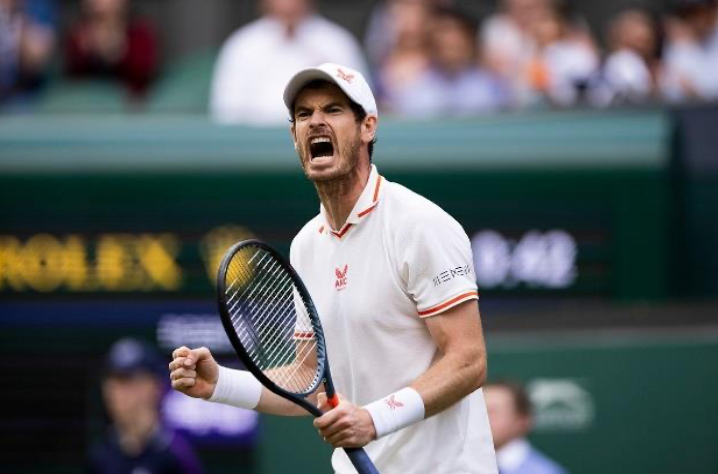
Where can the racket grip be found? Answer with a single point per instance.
(360, 460)
(333, 400)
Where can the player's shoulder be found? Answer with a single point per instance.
(408, 211)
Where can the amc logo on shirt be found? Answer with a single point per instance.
(341, 282)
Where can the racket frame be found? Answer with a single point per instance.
(324, 375)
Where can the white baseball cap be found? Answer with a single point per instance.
(349, 80)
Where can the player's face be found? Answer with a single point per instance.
(506, 422)
(326, 134)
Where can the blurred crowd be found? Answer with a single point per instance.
(426, 58)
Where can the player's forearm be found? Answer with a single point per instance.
(454, 376)
(272, 404)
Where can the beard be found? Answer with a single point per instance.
(348, 156)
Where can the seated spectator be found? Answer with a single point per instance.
(508, 45)
(137, 441)
(109, 43)
(509, 410)
(409, 57)
(454, 84)
(27, 41)
(389, 21)
(258, 60)
(691, 56)
(565, 61)
(632, 69)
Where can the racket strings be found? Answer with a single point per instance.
(271, 320)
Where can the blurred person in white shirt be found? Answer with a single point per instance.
(631, 72)
(257, 61)
(691, 56)
(508, 45)
(565, 61)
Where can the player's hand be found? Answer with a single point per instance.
(346, 426)
(194, 372)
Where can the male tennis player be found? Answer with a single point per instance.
(392, 277)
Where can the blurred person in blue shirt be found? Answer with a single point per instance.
(454, 84)
(137, 442)
(509, 410)
(27, 41)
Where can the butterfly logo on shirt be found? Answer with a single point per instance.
(341, 282)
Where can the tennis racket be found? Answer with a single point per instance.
(272, 323)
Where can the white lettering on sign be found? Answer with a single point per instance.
(192, 330)
(537, 259)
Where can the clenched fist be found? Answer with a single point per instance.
(194, 372)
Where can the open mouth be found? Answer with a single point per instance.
(321, 146)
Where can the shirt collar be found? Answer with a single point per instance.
(367, 202)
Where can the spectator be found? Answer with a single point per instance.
(631, 71)
(110, 43)
(691, 59)
(565, 61)
(453, 84)
(509, 410)
(27, 40)
(136, 442)
(508, 45)
(391, 19)
(408, 58)
(258, 60)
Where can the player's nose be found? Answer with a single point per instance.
(317, 119)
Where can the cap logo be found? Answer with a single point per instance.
(343, 75)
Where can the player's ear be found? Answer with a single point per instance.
(293, 133)
(368, 128)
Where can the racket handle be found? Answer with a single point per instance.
(333, 400)
(360, 460)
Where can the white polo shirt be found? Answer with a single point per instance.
(398, 259)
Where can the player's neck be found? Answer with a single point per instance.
(339, 196)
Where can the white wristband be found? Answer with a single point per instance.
(396, 411)
(238, 388)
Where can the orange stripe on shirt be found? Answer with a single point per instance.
(367, 210)
(343, 231)
(454, 300)
(376, 190)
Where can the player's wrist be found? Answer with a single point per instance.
(396, 411)
(238, 388)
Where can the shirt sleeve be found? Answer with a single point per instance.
(435, 263)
